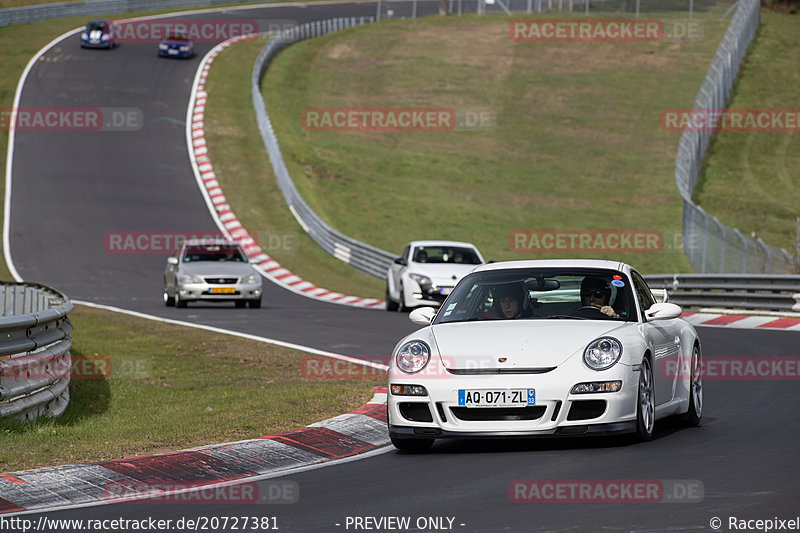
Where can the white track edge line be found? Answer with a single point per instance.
(248, 336)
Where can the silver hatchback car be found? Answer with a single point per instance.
(211, 270)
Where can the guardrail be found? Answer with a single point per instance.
(760, 292)
(360, 255)
(710, 245)
(34, 351)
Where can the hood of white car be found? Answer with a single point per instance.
(217, 268)
(523, 343)
(442, 273)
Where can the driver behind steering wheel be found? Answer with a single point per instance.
(595, 292)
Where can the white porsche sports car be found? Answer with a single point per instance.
(554, 347)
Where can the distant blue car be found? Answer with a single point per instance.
(98, 34)
(176, 45)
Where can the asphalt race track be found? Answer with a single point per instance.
(70, 188)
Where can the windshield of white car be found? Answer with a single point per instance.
(446, 254)
(214, 253)
(553, 293)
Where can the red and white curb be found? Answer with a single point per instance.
(208, 467)
(784, 323)
(223, 214)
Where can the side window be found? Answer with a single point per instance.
(404, 255)
(643, 293)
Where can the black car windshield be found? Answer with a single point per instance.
(552, 293)
(94, 26)
(446, 254)
(222, 253)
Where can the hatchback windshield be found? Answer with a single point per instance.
(446, 254)
(592, 294)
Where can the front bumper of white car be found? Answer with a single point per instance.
(556, 411)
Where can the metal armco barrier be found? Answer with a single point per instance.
(34, 351)
(731, 291)
(362, 256)
(710, 245)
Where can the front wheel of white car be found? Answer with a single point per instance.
(412, 445)
(169, 301)
(695, 390)
(646, 403)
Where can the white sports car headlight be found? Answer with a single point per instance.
(413, 356)
(602, 353)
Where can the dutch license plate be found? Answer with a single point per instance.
(172, 51)
(222, 290)
(496, 397)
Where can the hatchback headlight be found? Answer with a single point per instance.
(413, 356)
(162, 47)
(602, 353)
(252, 279)
(84, 35)
(190, 278)
(424, 281)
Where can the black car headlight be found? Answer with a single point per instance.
(413, 356)
(602, 353)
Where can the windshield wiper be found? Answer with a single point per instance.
(568, 317)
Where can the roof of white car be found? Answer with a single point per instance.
(442, 243)
(555, 263)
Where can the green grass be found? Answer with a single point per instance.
(749, 180)
(577, 142)
(171, 387)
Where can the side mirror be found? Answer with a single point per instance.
(172, 260)
(660, 295)
(661, 311)
(399, 261)
(422, 316)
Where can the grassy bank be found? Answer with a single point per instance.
(169, 387)
(575, 143)
(749, 180)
